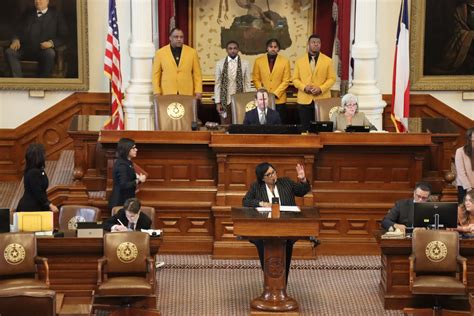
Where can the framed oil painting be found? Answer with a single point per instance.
(251, 24)
(441, 45)
(30, 65)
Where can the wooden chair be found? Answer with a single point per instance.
(70, 215)
(18, 263)
(28, 302)
(436, 268)
(244, 102)
(126, 272)
(175, 112)
(147, 210)
(324, 108)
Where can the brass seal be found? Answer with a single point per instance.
(72, 223)
(14, 253)
(250, 106)
(436, 251)
(127, 252)
(175, 110)
(333, 110)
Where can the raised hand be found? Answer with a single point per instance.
(300, 173)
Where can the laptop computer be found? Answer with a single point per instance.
(358, 129)
(90, 230)
(321, 126)
(264, 129)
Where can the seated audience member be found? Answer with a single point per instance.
(349, 115)
(401, 215)
(465, 214)
(268, 185)
(128, 218)
(465, 166)
(262, 114)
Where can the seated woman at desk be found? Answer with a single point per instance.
(268, 185)
(349, 114)
(466, 214)
(128, 218)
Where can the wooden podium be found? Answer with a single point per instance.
(251, 224)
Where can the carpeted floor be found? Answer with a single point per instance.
(329, 285)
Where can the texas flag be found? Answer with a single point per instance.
(401, 73)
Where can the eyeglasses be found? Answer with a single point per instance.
(270, 174)
(422, 197)
(351, 105)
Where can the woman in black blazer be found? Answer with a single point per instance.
(124, 177)
(35, 182)
(267, 186)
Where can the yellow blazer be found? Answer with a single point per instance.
(276, 81)
(323, 76)
(168, 78)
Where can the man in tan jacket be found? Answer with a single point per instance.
(272, 72)
(176, 68)
(313, 77)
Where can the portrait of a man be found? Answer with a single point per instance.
(38, 39)
(449, 33)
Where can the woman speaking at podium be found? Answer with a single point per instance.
(124, 175)
(267, 186)
(35, 182)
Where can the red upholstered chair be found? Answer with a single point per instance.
(126, 272)
(436, 268)
(147, 210)
(18, 263)
(70, 215)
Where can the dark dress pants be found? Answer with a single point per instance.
(306, 114)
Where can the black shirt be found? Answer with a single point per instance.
(176, 51)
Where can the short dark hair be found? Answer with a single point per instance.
(261, 169)
(124, 146)
(261, 90)
(231, 42)
(174, 29)
(314, 36)
(132, 205)
(468, 145)
(424, 186)
(273, 40)
(34, 156)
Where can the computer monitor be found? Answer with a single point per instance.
(321, 126)
(426, 214)
(33, 221)
(358, 129)
(264, 129)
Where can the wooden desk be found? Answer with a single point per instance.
(251, 224)
(394, 279)
(73, 261)
(196, 177)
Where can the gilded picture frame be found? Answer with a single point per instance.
(212, 25)
(71, 69)
(435, 64)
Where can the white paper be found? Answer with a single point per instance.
(283, 208)
(286, 208)
(151, 231)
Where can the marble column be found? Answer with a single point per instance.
(138, 104)
(365, 52)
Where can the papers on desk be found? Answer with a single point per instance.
(283, 208)
(152, 232)
(45, 233)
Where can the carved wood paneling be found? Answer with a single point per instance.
(49, 128)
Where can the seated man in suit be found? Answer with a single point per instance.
(401, 215)
(128, 218)
(262, 114)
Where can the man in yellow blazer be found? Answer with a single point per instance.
(176, 68)
(314, 76)
(272, 72)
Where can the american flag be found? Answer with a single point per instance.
(401, 73)
(112, 69)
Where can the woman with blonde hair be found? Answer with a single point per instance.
(466, 214)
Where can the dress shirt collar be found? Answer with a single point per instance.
(260, 111)
(230, 59)
(315, 56)
(43, 12)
